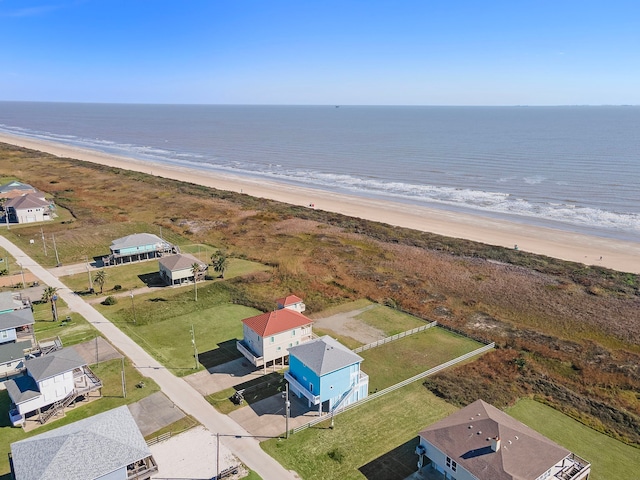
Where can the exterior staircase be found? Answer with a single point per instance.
(58, 406)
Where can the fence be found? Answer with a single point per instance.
(392, 388)
(159, 438)
(395, 337)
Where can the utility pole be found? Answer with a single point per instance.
(195, 349)
(124, 383)
(44, 243)
(217, 455)
(133, 307)
(56, 250)
(287, 407)
(89, 273)
(24, 285)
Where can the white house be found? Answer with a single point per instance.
(291, 302)
(178, 269)
(266, 337)
(51, 382)
(107, 446)
(28, 208)
(480, 442)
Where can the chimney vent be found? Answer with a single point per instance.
(495, 444)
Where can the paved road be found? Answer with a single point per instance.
(236, 439)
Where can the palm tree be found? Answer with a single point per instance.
(50, 294)
(100, 278)
(195, 269)
(220, 262)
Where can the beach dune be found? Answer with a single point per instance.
(590, 250)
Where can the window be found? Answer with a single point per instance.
(273, 339)
(293, 332)
(452, 464)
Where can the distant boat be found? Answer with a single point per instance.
(337, 106)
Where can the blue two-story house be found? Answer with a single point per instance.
(327, 374)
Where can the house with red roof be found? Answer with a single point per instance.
(268, 336)
(292, 302)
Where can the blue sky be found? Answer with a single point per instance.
(444, 52)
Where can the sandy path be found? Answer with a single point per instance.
(590, 250)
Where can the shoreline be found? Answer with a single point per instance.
(590, 250)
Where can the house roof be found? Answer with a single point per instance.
(54, 363)
(136, 240)
(12, 351)
(16, 318)
(15, 185)
(27, 200)
(324, 355)
(9, 302)
(288, 300)
(180, 261)
(465, 436)
(21, 389)
(83, 450)
(278, 321)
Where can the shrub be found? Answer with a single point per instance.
(117, 287)
(110, 300)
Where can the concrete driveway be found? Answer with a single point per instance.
(155, 412)
(266, 418)
(224, 376)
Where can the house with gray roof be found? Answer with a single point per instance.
(107, 446)
(16, 339)
(137, 247)
(15, 189)
(327, 374)
(51, 382)
(480, 442)
(178, 269)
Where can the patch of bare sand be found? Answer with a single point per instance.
(192, 454)
(346, 324)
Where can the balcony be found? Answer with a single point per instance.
(297, 387)
(142, 469)
(249, 355)
(573, 468)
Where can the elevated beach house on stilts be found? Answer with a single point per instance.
(51, 383)
(137, 247)
(327, 374)
(266, 337)
(178, 269)
(16, 339)
(107, 446)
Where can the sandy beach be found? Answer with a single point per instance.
(590, 250)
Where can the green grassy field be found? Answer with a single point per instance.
(609, 458)
(396, 361)
(357, 439)
(140, 274)
(163, 322)
(390, 321)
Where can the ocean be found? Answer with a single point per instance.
(572, 168)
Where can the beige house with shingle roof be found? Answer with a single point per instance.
(480, 442)
(177, 269)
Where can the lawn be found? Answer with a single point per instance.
(389, 320)
(141, 274)
(609, 458)
(164, 319)
(321, 453)
(395, 361)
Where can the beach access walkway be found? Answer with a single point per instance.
(242, 444)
